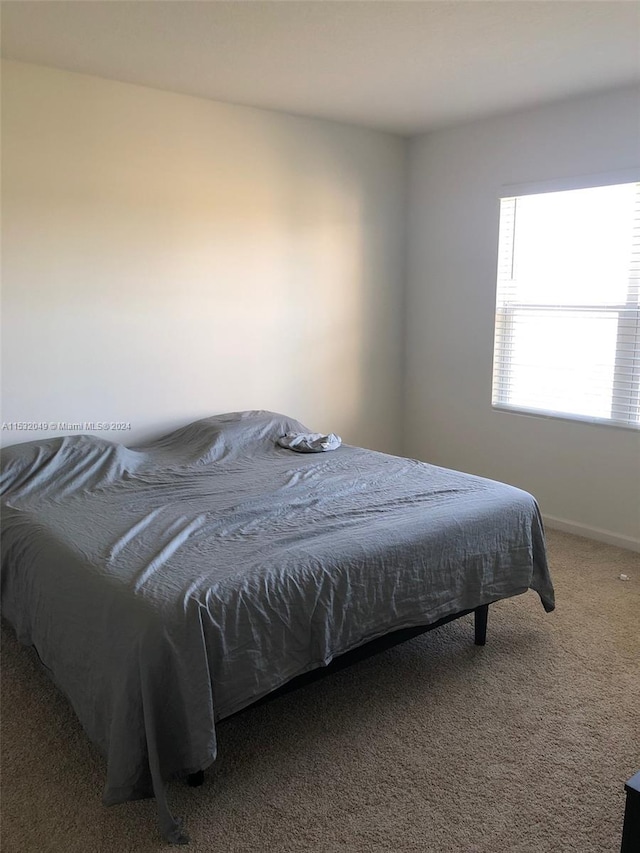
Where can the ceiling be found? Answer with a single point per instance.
(404, 66)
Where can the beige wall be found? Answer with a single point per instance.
(166, 258)
(586, 476)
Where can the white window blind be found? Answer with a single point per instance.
(567, 333)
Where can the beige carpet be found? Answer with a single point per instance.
(436, 745)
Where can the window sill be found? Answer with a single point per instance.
(563, 416)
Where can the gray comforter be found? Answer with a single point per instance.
(168, 586)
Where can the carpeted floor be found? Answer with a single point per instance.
(435, 745)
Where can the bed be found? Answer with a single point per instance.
(168, 586)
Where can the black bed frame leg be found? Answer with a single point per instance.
(481, 613)
(194, 780)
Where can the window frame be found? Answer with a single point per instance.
(576, 182)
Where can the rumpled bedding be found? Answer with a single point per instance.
(310, 442)
(170, 585)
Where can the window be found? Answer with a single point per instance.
(567, 334)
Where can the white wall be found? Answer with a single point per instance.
(166, 258)
(584, 474)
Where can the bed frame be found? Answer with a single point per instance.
(363, 652)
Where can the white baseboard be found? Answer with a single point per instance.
(596, 533)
